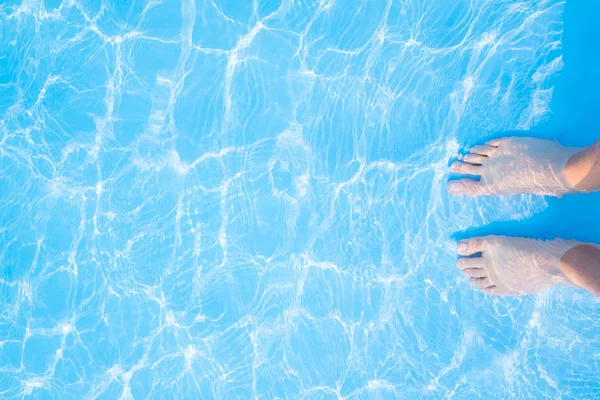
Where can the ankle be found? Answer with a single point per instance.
(582, 171)
(581, 265)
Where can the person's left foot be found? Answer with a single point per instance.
(507, 266)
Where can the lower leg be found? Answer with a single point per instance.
(581, 265)
(583, 169)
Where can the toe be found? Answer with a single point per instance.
(470, 263)
(475, 273)
(467, 187)
(465, 169)
(468, 247)
(480, 283)
(475, 159)
(484, 150)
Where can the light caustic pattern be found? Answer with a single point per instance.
(237, 199)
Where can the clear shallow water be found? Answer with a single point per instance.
(248, 200)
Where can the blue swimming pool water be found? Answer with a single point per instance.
(247, 199)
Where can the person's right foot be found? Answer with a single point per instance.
(515, 166)
(507, 266)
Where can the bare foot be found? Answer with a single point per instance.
(515, 166)
(508, 266)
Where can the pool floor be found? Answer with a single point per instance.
(217, 199)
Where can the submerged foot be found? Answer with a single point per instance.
(507, 266)
(515, 166)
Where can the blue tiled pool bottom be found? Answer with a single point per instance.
(235, 200)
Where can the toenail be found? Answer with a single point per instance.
(462, 246)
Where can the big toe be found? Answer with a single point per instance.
(498, 142)
(469, 247)
(466, 187)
